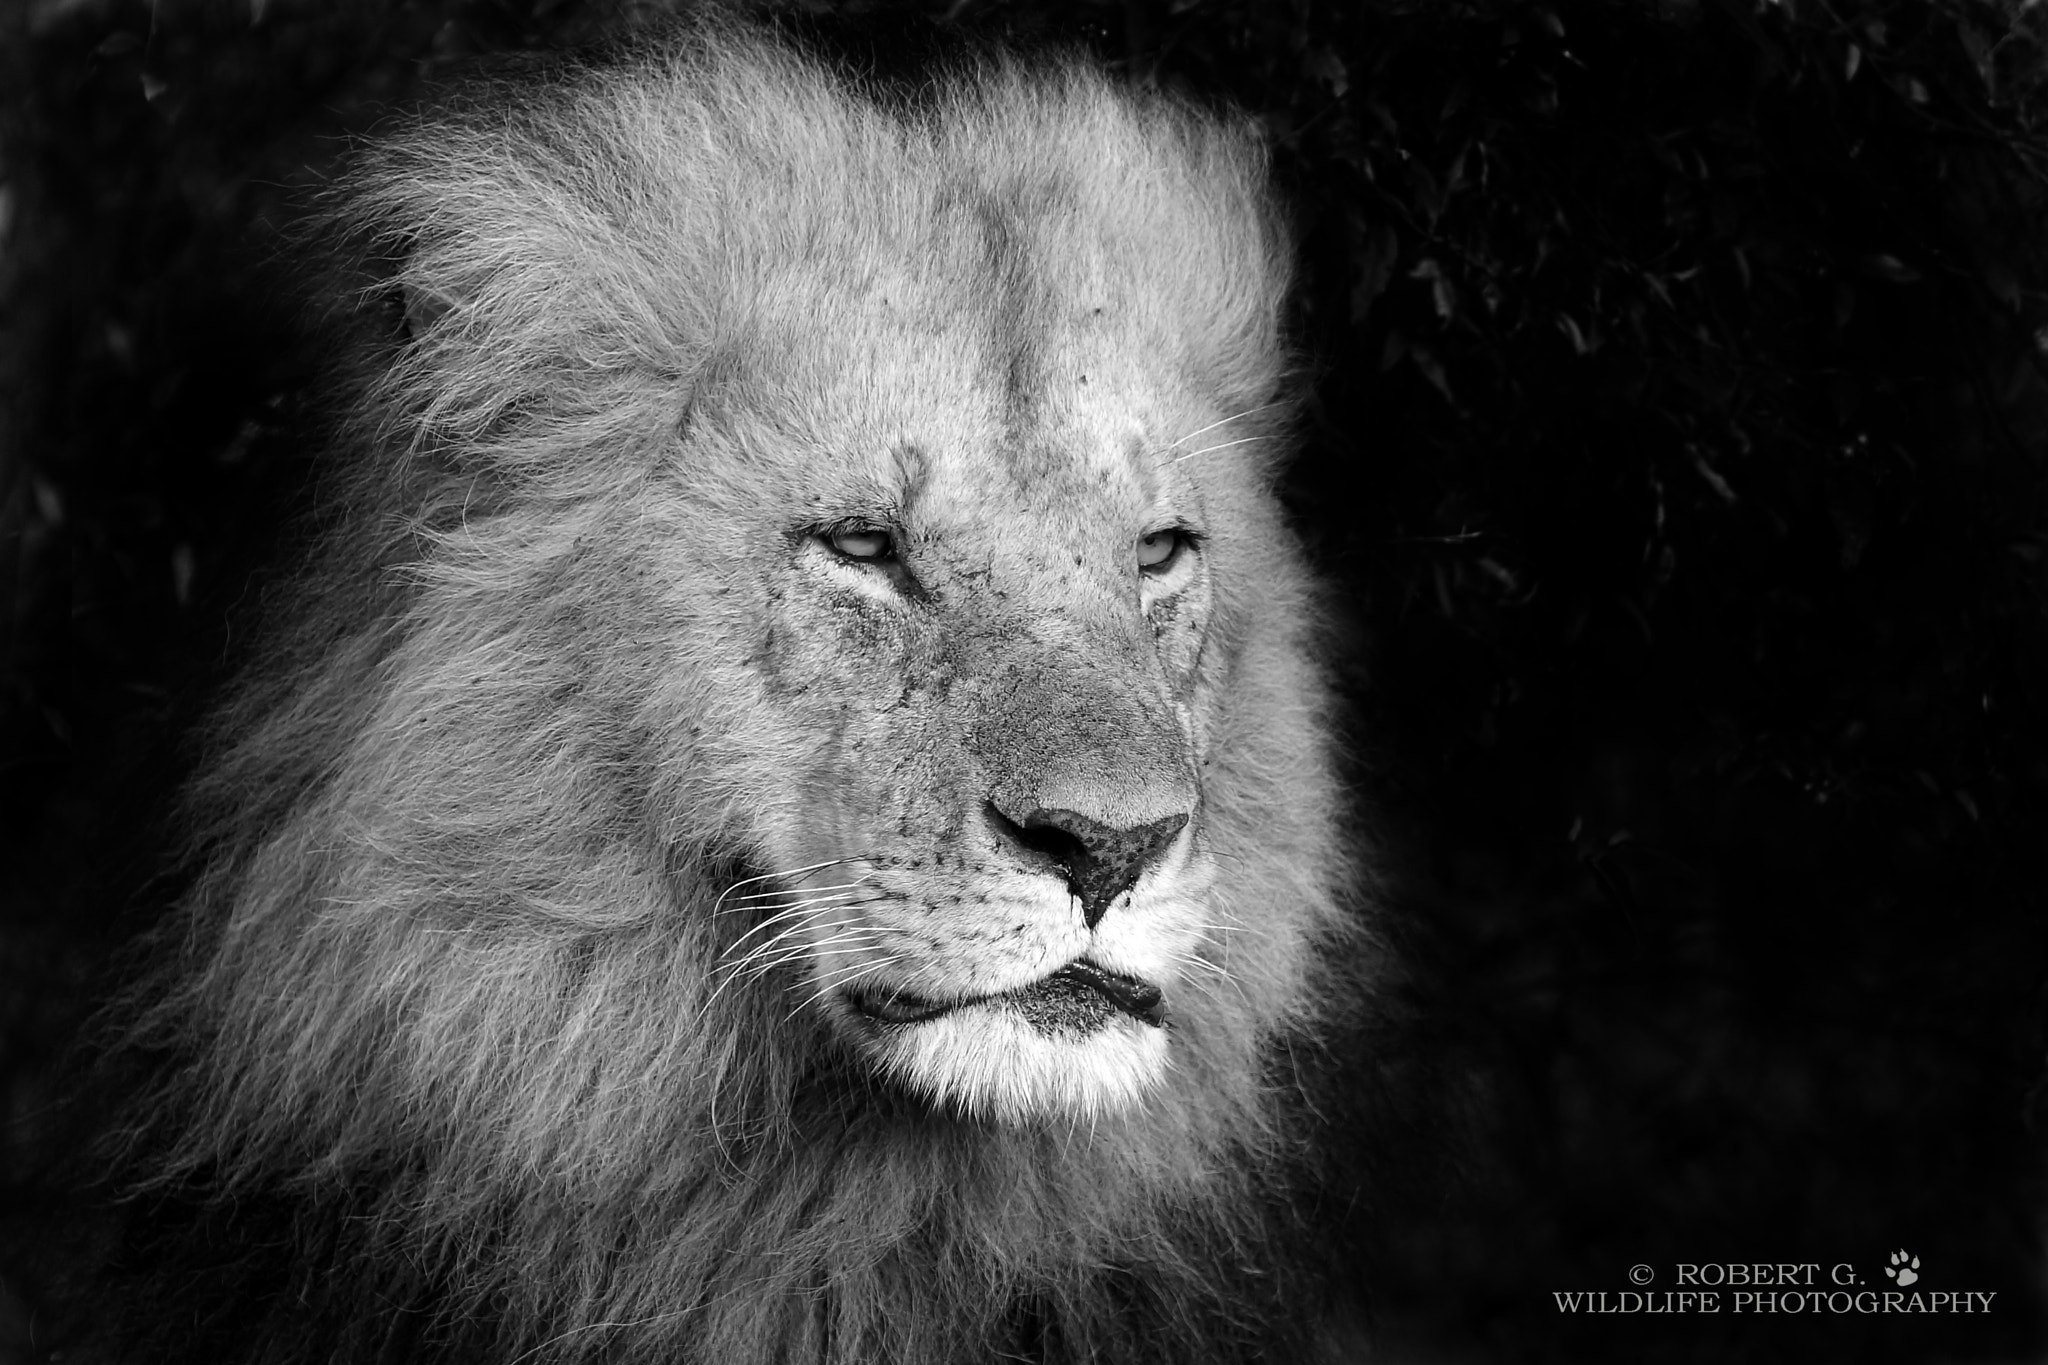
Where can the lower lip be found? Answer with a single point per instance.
(1078, 983)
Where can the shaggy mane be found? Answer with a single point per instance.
(440, 1066)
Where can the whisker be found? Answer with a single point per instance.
(802, 891)
(755, 967)
(759, 959)
(767, 945)
(801, 909)
(758, 963)
(1219, 422)
(752, 963)
(798, 901)
(1220, 445)
(771, 876)
(1221, 973)
(809, 905)
(840, 983)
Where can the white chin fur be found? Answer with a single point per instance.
(986, 1061)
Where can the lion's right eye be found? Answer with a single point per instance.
(861, 542)
(1160, 551)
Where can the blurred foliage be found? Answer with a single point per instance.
(1678, 444)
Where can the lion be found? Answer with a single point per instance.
(793, 812)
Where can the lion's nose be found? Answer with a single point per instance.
(1101, 861)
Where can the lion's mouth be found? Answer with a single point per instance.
(1079, 995)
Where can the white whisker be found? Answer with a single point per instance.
(808, 909)
(839, 983)
(755, 967)
(1221, 445)
(771, 876)
(762, 958)
(768, 945)
(737, 901)
(1219, 422)
(1221, 973)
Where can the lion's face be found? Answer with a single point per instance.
(970, 631)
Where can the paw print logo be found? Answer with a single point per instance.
(1905, 1269)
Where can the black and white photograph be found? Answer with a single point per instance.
(925, 682)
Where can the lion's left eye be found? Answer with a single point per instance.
(861, 542)
(1158, 551)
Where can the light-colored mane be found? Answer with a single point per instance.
(448, 982)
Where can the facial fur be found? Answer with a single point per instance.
(811, 688)
(1008, 656)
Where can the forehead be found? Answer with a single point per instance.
(914, 391)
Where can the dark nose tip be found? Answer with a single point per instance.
(1101, 861)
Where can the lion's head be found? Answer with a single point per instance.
(977, 621)
(808, 680)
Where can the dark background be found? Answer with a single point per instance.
(1680, 446)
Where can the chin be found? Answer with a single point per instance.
(1064, 1048)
